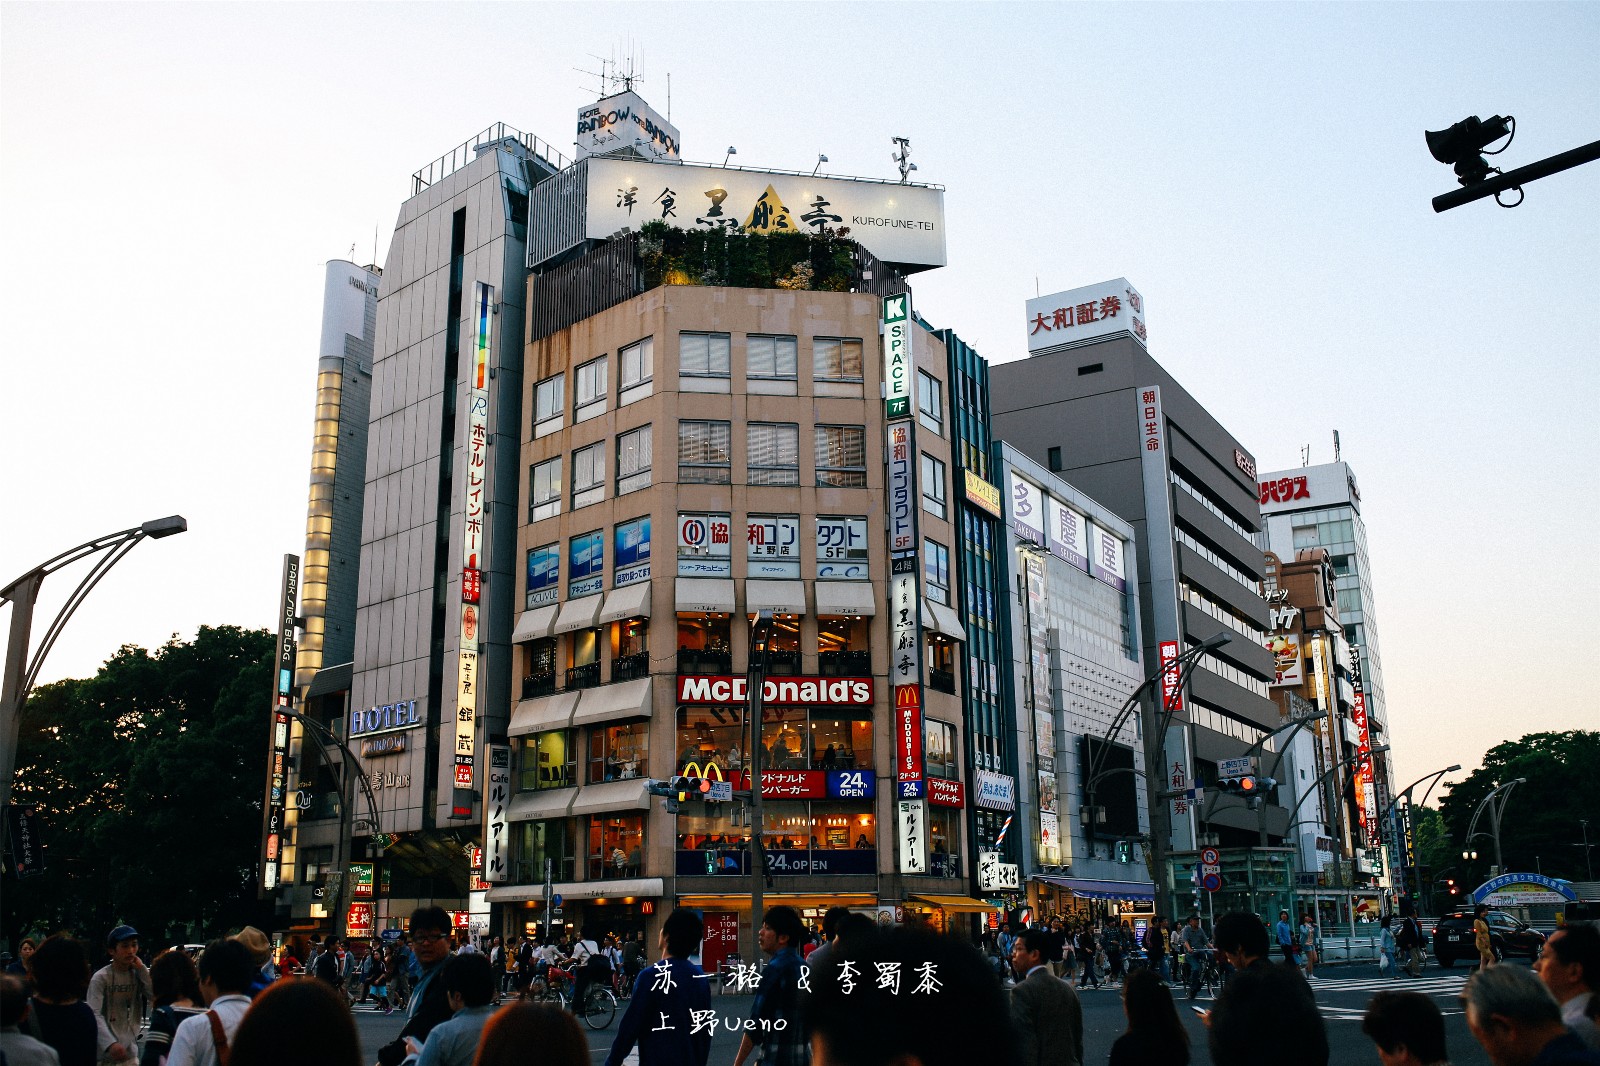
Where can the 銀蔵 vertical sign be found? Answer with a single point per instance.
(474, 487)
(897, 358)
(278, 737)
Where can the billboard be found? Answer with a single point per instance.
(1068, 533)
(544, 575)
(1027, 509)
(630, 552)
(897, 358)
(841, 549)
(1288, 659)
(1106, 560)
(1076, 316)
(704, 545)
(621, 121)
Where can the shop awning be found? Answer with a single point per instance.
(711, 594)
(535, 624)
(631, 601)
(626, 699)
(1087, 888)
(648, 887)
(577, 614)
(612, 796)
(956, 904)
(331, 679)
(535, 806)
(941, 619)
(852, 598)
(779, 597)
(546, 712)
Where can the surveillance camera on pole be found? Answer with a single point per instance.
(1463, 147)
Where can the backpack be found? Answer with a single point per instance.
(219, 1038)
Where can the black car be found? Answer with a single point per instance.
(1453, 938)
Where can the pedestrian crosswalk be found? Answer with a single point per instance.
(1431, 983)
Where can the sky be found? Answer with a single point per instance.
(173, 178)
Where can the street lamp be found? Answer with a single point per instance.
(1405, 793)
(755, 680)
(20, 671)
(1495, 811)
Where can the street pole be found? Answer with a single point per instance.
(755, 681)
(549, 910)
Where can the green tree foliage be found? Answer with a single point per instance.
(148, 778)
(1540, 828)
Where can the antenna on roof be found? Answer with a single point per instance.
(604, 73)
(1336, 446)
(1305, 455)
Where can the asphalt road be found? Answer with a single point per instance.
(1342, 992)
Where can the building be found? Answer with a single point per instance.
(1094, 407)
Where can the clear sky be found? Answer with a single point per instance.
(173, 177)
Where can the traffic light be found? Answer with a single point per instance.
(1450, 885)
(1460, 145)
(1240, 785)
(690, 787)
(1124, 851)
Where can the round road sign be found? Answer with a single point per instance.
(1211, 882)
(555, 900)
(1209, 856)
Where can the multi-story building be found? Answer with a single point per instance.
(1092, 405)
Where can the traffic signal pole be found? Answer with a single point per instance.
(1513, 179)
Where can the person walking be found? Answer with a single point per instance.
(1155, 947)
(18, 1048)
(1480, 937)
(1407, 1028)
(175, 984)
(778, 995)
(1265, 1015)
(120, 996)
(429, 1006)
(227, 970)
(1285, 932)
(61, 1018)
(306, 1023)
(1408, 943)
(469, 988)
(1046, 1013)
(1308, 944)
(1387, 951)
(1155, 1036)
(1087, 947)
(666, 1000)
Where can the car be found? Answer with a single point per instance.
(1453, 937)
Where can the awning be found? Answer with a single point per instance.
(628, 699)
(779, 597)
(941, 619)
(546, 712)
(956, 904)
(535, 806)
(535, 624)
(331, 679)
(577, 614)
(612, 796)
(1086, 888)
(846, 597)
(631, 601)
(649, 887)
(713, 594)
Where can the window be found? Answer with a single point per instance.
(1305, 537)
(1053, 455)
(591, 388)
(944, 838)
(539, 678)
(585, 652)
(549, 405)
(703, 643)
(314, 863)
(630, 649)
(703, 355)
(936, 570)
(842, 648)
(589, 475)
(836, 359)
(711, 735)
(842, 456)
(635, 364)
(933, 487)
(704, 452)
(773, 545)
(544, 489)
(825, 739)
(556, 840)
(633, 460)
(773, 453)
(549, 760)
(939, 750)
(769, 357)
(616, 846)
(930, 401)
(618, 753)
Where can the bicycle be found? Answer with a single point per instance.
(599, 1007)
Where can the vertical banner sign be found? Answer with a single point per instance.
(911, 821)
(902, 491)
(897, 356)
(1368, 807)
(27, 850)
(1048, 845)
(496, 823)
(472, 552)
(273, 835)
(1068, 533)
(1171, 690)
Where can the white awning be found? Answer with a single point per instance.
(705, 594)
(941, 619)
(535, 806)
(779, 597)
(612, 796)
(846, 597)
(607, 703)
(649, 887)
(577, 614)
(631, 601)
(535, 624)
(546, 712)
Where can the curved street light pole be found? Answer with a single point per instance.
(1319, 782)
(1495, 811)
(21, 671)
(1405, 793)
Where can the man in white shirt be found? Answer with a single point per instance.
(226, 972)
(1569, 966)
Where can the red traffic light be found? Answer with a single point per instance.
(1247, 784)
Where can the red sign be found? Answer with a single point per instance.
(1284, 489)
(471, 584)
(1363, 771)
(946, 793)
(786, 691)
(462, 920)
(908, 731)
(464, 775)
(1171, 691)
(358, 922)
(793, 784)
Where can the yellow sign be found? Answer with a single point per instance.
(769, 215)
(983, 495)
(712, 772)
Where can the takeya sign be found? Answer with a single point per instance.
(835, 691)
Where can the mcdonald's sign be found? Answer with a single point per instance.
(908, 731)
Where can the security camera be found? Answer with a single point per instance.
(1460, 145)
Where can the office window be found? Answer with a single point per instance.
(1305, 537)
(633, 460)
(930, 402)
(933, 487)
(769, 357)
(544, 489)
(589, 475)
(591, 389)
(549, 404)
(842, 456)
(836, 359)
(703, 355)
(636, 363)
(705, 452)
(939, 750)
(936, 570)
(773, 453)
(1054, 457)
(549, 760)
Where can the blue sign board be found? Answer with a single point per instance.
(544, 575)
(910, 790)
(630, 552)
(586, 563)
(852, 784)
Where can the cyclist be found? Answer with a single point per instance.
(1197, 949)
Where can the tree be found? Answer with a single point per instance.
(148, 778)
(1540, 826)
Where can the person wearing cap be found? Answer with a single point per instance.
(260, 948)
(120, 996)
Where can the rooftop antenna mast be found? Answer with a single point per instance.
(604, 73)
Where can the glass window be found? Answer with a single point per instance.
(1305, 536)
(1054, 457)
(314, 863)
(936, 570)
(705, 452)
(619, 752)
(842, 456)
(944, 839)
(939, 750)
(703, 355)
(544, 489)
(539, 678)
(930, 401)
(583, 659)
(630, 649)
(703, 646)
(772, 544)
(769, 357)
(534, 842)
(942, 664)
(636, 362)
(841, 825)
(836, 359)
(633, 460)
(591, 389)
(773, 453)
(616, 845)
(711, 735)
(933, 487)
(589, 475)
(549, 404)
(842, 648)
(840, 740)
(549, 760)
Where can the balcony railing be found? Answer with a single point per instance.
(536, 685)
(845, 663)
(631, 667)
(585, 676)
(783, 663)
(943, 680)
(699, 661)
